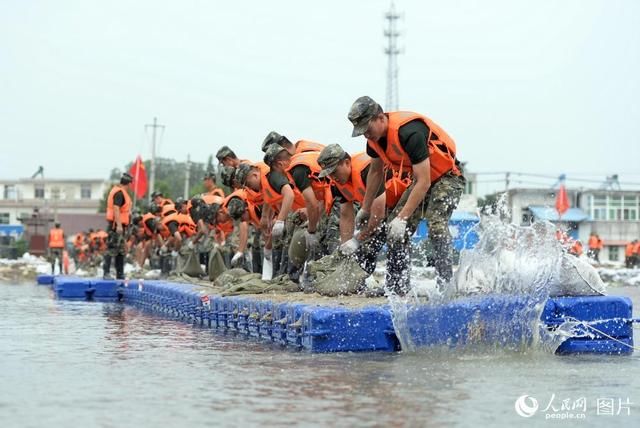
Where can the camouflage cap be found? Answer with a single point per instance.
(329, 158)
(213, 212)
(126, 178)
(241, 173)
(211, 175)
(223, 152)
(196, 201)
(272, 152)
(227, 175)
(272, 138)
(236, 208)
(362, 111)
(156, 194)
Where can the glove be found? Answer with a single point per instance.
(350, 247)
(190, 245)
(174, 253)
(268, 253)
(396, 230)
(311, 240)
(278, 229)
(236, 260)
(362, 218)
(163, 250)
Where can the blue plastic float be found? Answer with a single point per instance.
(606, 320)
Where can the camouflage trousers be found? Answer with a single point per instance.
(437, 207)
(116, 243)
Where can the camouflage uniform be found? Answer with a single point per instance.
(437, 206)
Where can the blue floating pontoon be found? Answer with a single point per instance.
(603, 324)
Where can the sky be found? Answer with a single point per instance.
(545, 87)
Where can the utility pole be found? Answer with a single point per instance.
(507, 180)
(187, 177)
(392, 51)
(153, 127)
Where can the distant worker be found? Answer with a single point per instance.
(56, 246)
(300, 146)
(209, 182)
(410, 143)
(629, 261)
(576, 249)
(159, 199)
(118, 216)
(594, 245)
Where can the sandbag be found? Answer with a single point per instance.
(577, 278)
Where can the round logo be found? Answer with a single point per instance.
(526, 406)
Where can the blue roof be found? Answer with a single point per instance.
(11, 229)
(551, 214)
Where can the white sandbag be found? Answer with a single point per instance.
(267, 269)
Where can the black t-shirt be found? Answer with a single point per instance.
(300, 174)
(118, 199)
(151, 223)
(277, 180)
(413, 138)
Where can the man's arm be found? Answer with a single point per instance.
(422, 182)
(243, 237)
(313, 208)
(287, 202)
(347, 221)
(374, 181)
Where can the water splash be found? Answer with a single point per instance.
(496, 297)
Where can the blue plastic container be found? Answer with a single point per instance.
(45, 279)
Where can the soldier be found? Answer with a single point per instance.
(300, 146)
(118, 216)
(410, 143)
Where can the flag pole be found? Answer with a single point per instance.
(135, 186)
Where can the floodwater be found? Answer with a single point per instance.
(80, 364)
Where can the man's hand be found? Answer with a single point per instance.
(350, 246)
(278, 229)
(396, 230)
(119, 229)
(362, 218)
(312, 240)
(236, 260)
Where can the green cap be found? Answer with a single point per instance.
(236, 208)
(272, 152)
(223, 152)
(362, 111)
(241, 173)
(272, 138)
(329, 158)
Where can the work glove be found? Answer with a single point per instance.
(237, 259)
(350, 247)
(190, 245)
(268, 253)
(362, 218)
(174, 253)
(163, 250)
(311, 239)
(396, 230)
(278, 229)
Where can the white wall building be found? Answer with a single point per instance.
(53, 196)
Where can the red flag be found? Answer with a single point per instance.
(139, 174)
(562, 201)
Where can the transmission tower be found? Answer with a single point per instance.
(392, 51)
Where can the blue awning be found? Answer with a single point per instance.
(551, 214)
(11, 229)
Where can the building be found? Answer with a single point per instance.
(73, 202)
(612, 214)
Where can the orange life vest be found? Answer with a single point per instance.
(576, 248)
(321, 188)
(354, 189)
(593, 243)
(165, 201)
(168, 209)
(600, 244)
(273, 198)
(254, 216)
(56, 238)
(148, 232)
(124, 209)
(101, 239)
(636, 248)
(628, 249)
(186, 226)
(78, 240)
(303, 146)
(442, 148)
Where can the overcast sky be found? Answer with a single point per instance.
(541, 86)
